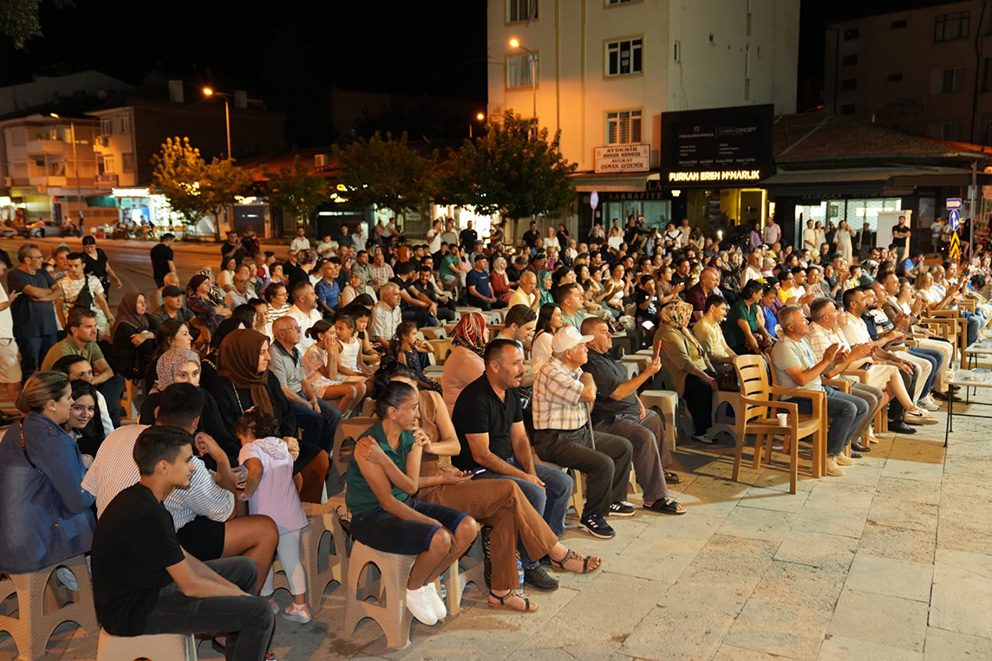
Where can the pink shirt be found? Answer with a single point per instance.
(462, 367)
(276, 496)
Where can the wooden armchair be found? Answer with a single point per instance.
(760, 402)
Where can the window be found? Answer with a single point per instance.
(849, 84)
(623, 127)
(519, 70)
(125, 124)
(849, 60)
(945, 130)
(850, 34)
(108, 163)
(847, 109)
(106, 126)
(521, 10)
(985, 83)
(623, 57)
(127, 162)
(894, 77)
(899, 25)
(952, 26)
(947, 81)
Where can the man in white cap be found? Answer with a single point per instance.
(563, 435)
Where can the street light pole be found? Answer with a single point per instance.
(515, 43)
(209, 91)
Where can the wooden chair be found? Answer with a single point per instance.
(760, 400)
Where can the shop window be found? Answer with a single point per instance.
(951, 26)
(849, 84)
(623, 127)
(894, 77)
(520, 70)
(521, 10)
(127, 162)
(849, 60)
(106, 126)
(623, 57)
(947, 81)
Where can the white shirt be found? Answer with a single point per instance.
(435, 240)
(359, 239)
(300, 243)
(306, 320)
(809, 239)
(6, 320)
(384, 321)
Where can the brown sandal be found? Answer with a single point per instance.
(502, 602)
(559, 565)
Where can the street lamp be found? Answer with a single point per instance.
(515, 43)
(481, 117)
(209, 91)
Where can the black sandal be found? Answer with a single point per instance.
(502, 602)
(672, 478)
(665, 506)
(559, 565)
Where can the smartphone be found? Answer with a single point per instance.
(481, 470)
(657, 352)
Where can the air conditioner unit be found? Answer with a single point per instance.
(320, 160)
(8, 182)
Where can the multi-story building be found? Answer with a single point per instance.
(604, 71)
(927, 70)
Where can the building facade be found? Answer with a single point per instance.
(604, 72)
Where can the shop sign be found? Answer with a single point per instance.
(129, 192)
(715, 175)
(634, 197)
(623, 158)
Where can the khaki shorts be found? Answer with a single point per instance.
(10, 364)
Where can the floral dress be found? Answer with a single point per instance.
(413, 362)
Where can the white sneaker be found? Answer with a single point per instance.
(436, 601)
(928, 404)
(67, 578)
(421, 605)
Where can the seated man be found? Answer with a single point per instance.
(81, 340)
(316, 416)
(424, 289)
(518, 326)
(710, 335)
(796, 368)
(480, 291)
(327, 288)
(412, 306)
(173, 306)
(526, 292)
(619, 411)
(488, 418)
(144, 582)
(203, 510)
(562, 395)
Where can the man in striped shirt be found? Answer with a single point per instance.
(203, 513)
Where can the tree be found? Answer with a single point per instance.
(20, 20)
(220, 185)
(513, 170)
(387, 173)
(294, 188)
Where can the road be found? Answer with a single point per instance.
(131, 261)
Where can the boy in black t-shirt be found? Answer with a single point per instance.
(143, 580)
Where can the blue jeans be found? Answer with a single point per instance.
(33, 350)
(936, 360)
(551, 502)
(846, 413)
(974, 325)
(318, 428)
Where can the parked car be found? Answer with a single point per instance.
(7, 232)
(41, 229)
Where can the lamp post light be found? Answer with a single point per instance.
(209, 91)
(515, 43)
(480, 117)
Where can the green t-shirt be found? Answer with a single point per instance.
(732, 333)
(90, 351)
(446, 264)
(360, 497)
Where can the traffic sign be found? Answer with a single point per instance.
(954, 203)
(594, 200)
(955, 219)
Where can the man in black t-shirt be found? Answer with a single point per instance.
(488, 418)
(531, 235)
(468, 237)
(162, 258)
(900, 236)
(232, 249)
(143, 580)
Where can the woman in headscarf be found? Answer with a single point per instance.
(544, 287)
(499, 281)
(687, 367)
(204, 304)
(183, 366)
(244, 382)
(134, 337)
(208, 367)
(464, 364)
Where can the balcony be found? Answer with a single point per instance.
(45, 147)
(106, 181)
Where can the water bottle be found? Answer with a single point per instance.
(520, 577)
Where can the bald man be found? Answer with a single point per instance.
(709, 283)
(526, 292)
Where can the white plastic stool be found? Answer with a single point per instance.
(159, 647)
(389, 610)
(664, 402)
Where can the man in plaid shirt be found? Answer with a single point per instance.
(562, 433)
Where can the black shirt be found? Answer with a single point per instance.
(468, 238)
(295, 274)
(608, 375)
(238, 254)
(530, 238)
(97, 266)
(134, 542)
(479, 411)
(161, 256)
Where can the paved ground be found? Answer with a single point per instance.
(890, 562)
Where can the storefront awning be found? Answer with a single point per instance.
(621, 182)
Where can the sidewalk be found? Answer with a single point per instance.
(891, 561)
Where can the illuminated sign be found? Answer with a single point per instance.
(623, 158)
(130, 192)
(716, 175)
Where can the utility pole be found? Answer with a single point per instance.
(973, 195)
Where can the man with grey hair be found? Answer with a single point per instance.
(563, 435)
(796, 367)
(386, 314)
(823, 333)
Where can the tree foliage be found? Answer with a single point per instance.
(20, 20)
(513, 169)
(387, 173)
(294, 188)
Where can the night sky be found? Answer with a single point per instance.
(289, 55)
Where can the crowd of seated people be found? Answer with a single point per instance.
(241, 384)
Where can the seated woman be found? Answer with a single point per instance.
(362, 314)
(464, 364)
(244, 382)
(498, 504)
(270, 492)
(688, 369)
(383, 476)
(134, 338)
(207, 307)
(45, 515)
(84, 424)
(170, 334)
(320, 364)
(743, 325)
(225, 279)
(208, 367)
(180, 365)
(407, 349)
(499, 282)
(277, 296)
(549, 322)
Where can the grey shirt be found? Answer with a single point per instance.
(786, 354)
(288, 367)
